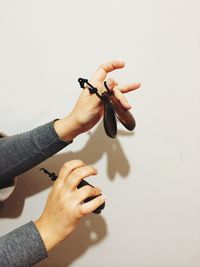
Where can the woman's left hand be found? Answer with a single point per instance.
(88, 109)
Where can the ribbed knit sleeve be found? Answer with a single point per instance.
(22, 247)
(21, 152)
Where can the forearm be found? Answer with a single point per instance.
(22, 247)
(23, 151)
(68, 128)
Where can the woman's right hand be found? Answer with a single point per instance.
(65, 207)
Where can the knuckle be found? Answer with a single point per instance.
(58, 184)
(67, 165)
(101, 66)
(98, 191)
(73, 164)
(77, 173)
(84, 171)
(95, 191)
(79, 161)
(83, 211)
(100, 200)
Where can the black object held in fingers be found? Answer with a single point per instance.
(53, 177)
(112, 109)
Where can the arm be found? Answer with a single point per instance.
(22, 247)
(64, 200)
(30, 243)
(23, 151)
(87, 111)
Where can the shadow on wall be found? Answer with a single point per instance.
(90, 231)
(34, 181)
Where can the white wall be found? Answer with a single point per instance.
(151, 177)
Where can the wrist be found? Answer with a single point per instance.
(67, 128)
(46, 236)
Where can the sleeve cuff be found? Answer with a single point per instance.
(23, 247)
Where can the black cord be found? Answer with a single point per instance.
(91, 88)
(52, 175)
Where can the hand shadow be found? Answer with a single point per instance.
(34, 181)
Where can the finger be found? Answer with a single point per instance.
(118, 90)
(91, 205)
(118, 94)
(111, 83)
(69, 167)
(86, 191)
(78, 174)
(123, 88)
(128, 87)
(105, 68)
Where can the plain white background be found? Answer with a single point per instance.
(151, 177)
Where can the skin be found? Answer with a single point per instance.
(64, 207)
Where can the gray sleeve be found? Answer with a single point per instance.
(22, 247)
(19, 153)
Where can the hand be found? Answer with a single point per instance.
(65, 207)
(88, 109)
